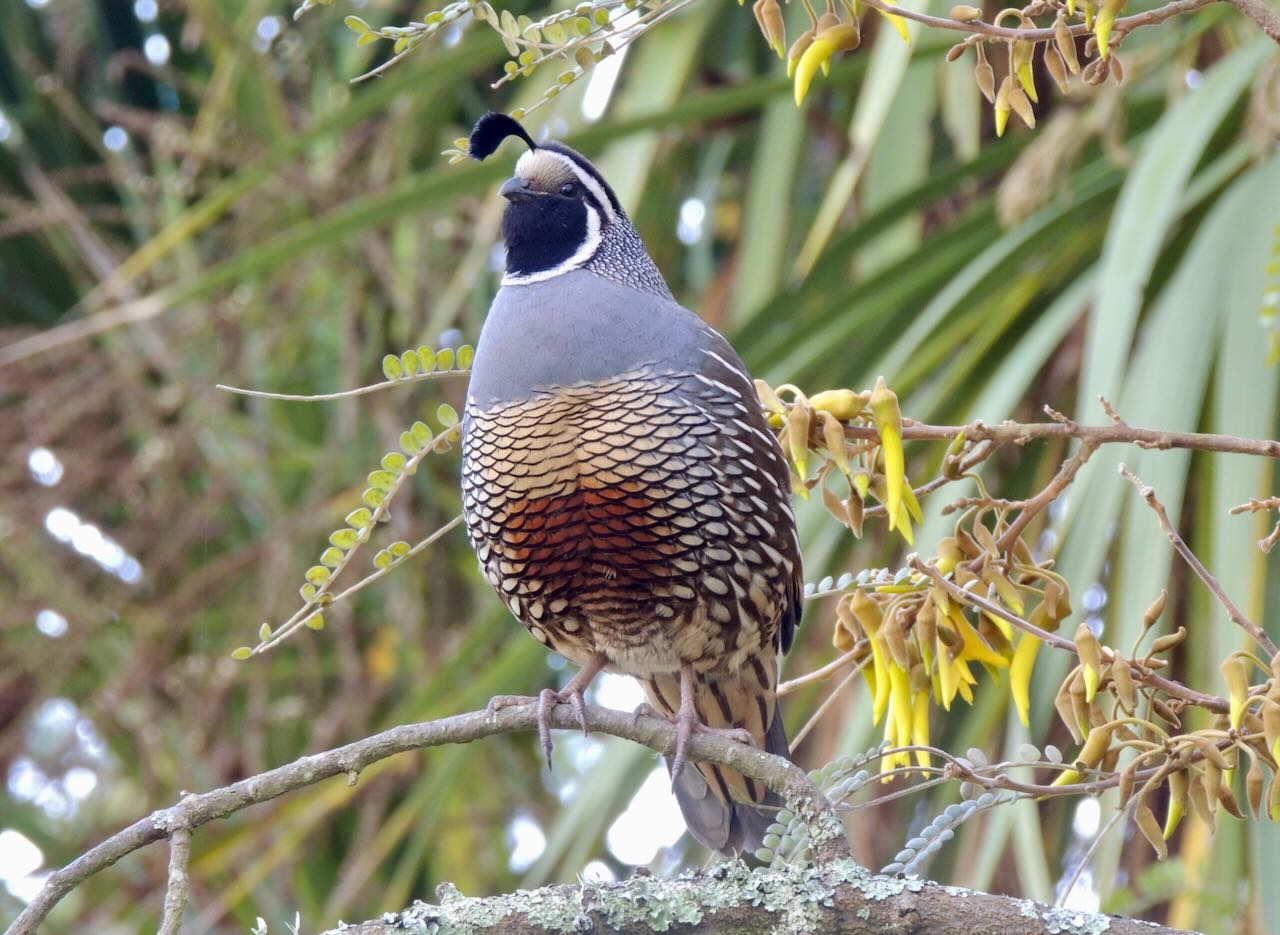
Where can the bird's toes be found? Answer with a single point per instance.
(498, 702)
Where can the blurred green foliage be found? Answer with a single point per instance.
(234, 211)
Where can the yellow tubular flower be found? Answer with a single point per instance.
(1002, 106)
(1106, 18)
(1090, 652)
(975, 647)
(1177, 802)
(920, 728)
(888, 420)
(948, 677)
(1237, 679)
(793, 58)
(868, 614)
(1024, 661)
(1091, 754)
(901, 703)
(798, 421)
(888, 761)
(825, 44)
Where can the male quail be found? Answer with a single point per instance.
(620, 485)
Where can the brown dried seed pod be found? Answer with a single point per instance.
(985, 75)
(1150, 828)
(1205, 807)
(1095, 73)
(1229, 802)
(1021, 105)
(1122, 684)
(1066, 44)
(1166, 713)
(1128, 775)
(1253, 782)
(956, 51)
(1055, 66)
(965, 14)
(1091, 47)
(1169, 641)
(775, 30)
(1062, 702)
(853, 511)
(1079, 704)
(826, 21)
(1117, 69)
(1154, 610)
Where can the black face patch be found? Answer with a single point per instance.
(542, 231)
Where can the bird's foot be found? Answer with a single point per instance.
(688, 723)
(572, 695)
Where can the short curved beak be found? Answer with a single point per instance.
(516, 189)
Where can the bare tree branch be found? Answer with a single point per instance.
(1235, 613)
(178, 890)
(788, 780)
(1019, 433)
(838, 897)
(1258, 11)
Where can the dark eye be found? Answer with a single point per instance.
(569, 189)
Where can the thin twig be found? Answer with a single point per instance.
(827, 702)
(1268, 542)
(1061, 481)
(1266, 18)
(823, 673)
(1237, 616)
(344, 394)
(195, 810)
(178, 890)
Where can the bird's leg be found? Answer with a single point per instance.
(689, 723)
(571, 694)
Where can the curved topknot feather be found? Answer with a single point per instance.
(491, 130)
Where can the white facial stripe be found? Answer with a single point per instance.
(580, 256)
(589, 182)
(526, 167)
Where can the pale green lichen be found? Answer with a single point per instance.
(1073, 922)
(794, 896)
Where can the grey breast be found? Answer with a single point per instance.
(579, 328)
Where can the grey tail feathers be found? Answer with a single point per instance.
(730, 827)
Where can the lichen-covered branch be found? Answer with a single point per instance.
(838, 897)
(193, 811)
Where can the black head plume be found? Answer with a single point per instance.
(491, 130)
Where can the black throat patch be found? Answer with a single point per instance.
(542, 231)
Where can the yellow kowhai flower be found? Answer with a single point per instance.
(888, 422)
(825, 44)
(1102, 26)
(1024, 661)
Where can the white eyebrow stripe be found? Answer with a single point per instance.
(589, 182)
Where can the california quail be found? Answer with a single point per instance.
(620, 485)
